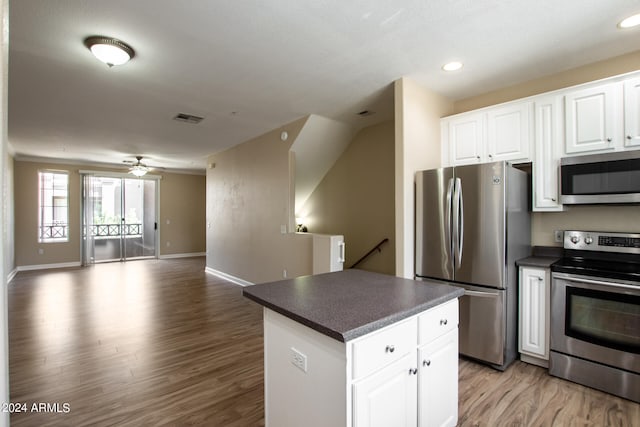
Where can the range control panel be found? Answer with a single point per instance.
(602, 241)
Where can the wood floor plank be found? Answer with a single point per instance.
(161, 343)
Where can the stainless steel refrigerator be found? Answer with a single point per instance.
(472, 224)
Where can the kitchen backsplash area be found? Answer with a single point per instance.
(621, 218)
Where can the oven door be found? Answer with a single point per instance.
(596, 319)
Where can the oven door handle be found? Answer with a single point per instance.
(596, 282)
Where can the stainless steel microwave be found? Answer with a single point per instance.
(601, 178)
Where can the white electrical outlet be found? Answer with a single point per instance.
(558, 236)
(299, 359)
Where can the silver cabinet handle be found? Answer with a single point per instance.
(390, 349)
(540, 279)
(426, 363)
(443, 322)
(478, 157)
(413, 371)
(629, 137)
(491, 156)
(553, 199)
(609, 139)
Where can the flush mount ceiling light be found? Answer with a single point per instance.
(109, 50)
(631, 21)
(139, 169)
(452, 66)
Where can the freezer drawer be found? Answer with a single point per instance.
(482, 324)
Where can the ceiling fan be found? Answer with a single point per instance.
(138, 168)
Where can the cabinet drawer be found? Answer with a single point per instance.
(383, 347)
(437, 321)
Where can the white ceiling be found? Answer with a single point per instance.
(250, 66)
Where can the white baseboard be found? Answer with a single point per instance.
(230, 278)
(48, 266)
(189, 255)
(12, 275)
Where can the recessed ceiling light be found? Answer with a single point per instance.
(109, 50)
(452, 66)
(629, 22)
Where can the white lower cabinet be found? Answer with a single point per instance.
(438, 382)
(421, 387)
(388, 398)
(533, 342)
(403, 375)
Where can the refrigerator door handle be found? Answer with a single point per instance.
(447, 230)
(455, 228)
(481, 294)
(458, 223)
(461, 223)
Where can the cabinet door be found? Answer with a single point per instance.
(632, 113)
(387, 397)
(466, 139)
(438, 382)
(509, 135)
(548, 137)
(590, 119)
(534, 313)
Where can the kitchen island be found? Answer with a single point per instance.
(355, 348)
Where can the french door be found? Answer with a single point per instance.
(119, 218)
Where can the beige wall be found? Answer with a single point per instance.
(589, 218)
(593, 218)
(8, 223)
(356, 199)
(248, 202)
(183, 204)
(4, 204)
(417, 147)
(187, 218)
(595, 71)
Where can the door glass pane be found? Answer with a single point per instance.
(107, 207)
(119, 219)
(139, 218)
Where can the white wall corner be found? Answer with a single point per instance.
(4, 324)
(318, 146)
(417, 112)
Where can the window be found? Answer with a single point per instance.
(53, 216)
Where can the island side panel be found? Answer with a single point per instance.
(317, 397)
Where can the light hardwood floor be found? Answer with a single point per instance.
(159, 342)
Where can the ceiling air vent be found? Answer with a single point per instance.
(187, 118)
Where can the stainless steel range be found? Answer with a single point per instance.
(595, 312)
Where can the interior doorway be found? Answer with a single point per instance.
(119, 218)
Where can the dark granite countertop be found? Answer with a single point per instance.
(536, 261)
(348, 304)
(541, 257)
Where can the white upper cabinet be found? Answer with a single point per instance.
(590, 119)
(548, 147)
(509, 130)
(632, 113)
(502, 133)
(466, 139)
